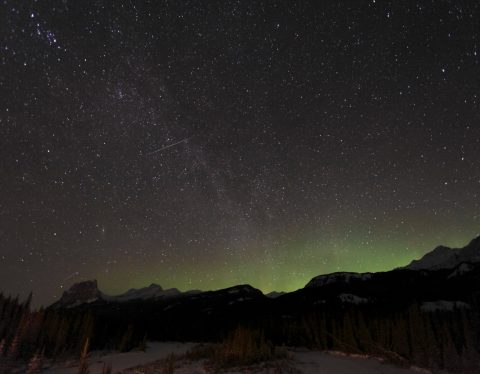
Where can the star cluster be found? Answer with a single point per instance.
(204, 144)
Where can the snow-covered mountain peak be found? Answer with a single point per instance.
(274, 294)
(446, 258)
(151, 292)
(88, 292)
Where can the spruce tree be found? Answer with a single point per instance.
(2, 347)
(83, 367)
(3, 363)
(107, 368)
(10, 356)
(35, 364)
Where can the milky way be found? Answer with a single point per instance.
(207, 144)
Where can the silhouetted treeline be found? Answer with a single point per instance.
(27, 337)
(404, 334)
(437, 340)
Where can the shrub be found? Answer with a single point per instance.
(243, 347)
(169, 366)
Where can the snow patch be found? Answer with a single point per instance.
(307, 362)
(121, 361)
(460, 270)
(346, 277)
(352, 299)
(443, 305)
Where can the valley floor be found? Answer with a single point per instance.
(303, 361)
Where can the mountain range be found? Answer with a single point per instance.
(443, 264)
(87, 292)
(425, 313)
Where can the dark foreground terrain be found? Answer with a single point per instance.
(426, 314)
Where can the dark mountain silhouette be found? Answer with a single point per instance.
(443, 274)
(446, 258)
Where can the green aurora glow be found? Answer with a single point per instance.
(295, 262)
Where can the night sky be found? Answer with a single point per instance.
(203, 144)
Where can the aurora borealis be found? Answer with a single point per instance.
(200, 145)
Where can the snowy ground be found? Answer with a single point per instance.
(122, 361)
(304, 361)
(331, 363)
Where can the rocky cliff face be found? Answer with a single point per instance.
(80, 293)
(87, 292)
